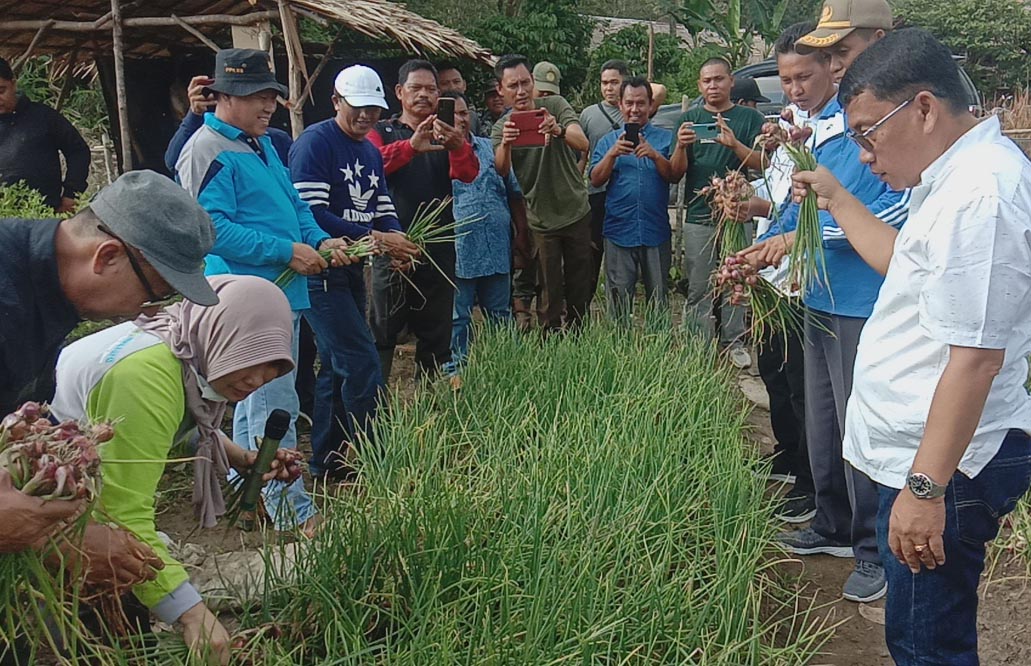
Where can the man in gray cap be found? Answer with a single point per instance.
(262, 227)
(138, 246)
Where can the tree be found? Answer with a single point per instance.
(994, 35)
(631, 44)
(552, 30)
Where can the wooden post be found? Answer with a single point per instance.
(123, 107)
(678, 222)
(651, 50)
(295, 60)
(69, 74)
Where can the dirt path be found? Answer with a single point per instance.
(1004, 623)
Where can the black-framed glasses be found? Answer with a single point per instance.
(154, 301)
(862, 139)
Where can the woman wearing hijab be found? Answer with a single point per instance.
(159, 378)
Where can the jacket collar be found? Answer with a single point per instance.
(222, 127)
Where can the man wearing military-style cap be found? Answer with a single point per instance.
(547, 78)
(846, 29)
(845, 523)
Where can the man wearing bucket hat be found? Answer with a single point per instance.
(262, 228)
(339, 173)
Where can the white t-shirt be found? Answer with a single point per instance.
(960, 275)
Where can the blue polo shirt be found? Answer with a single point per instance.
(635, 209)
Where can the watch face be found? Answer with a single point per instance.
(920, 484)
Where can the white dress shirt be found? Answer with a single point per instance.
(960, 275)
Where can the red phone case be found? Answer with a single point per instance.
(528, 123)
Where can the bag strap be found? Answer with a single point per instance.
(605, 113)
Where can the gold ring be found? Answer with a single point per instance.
(920, 549)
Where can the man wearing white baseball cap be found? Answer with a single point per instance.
(339, 173)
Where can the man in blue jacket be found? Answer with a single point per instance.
(262, 227)
(845, 524)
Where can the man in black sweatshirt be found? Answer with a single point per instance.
(31, 136)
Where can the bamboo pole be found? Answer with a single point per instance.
(24, 57)
(305, 94)
(139, 22)
(196, 33)
(295, 60)
(123, 108)
(678, 222)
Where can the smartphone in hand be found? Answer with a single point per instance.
(706, 131)
(446, 111)
(632, 133)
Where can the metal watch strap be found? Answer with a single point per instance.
(924, 487)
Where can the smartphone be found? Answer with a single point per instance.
(529, 124)
(632, 133)
(706, 131)
(446, 111)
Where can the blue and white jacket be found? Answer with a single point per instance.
(247, 191)
(852, 285)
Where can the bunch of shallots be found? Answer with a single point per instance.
(51, 461)
(722, 194)
(808, 266)
(771, 310)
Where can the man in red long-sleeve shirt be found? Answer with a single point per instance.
(421, 154)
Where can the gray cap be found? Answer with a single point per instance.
(159, 218)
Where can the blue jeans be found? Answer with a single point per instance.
(931, 617)
(350, 380)
(493, 293)
(289, 505)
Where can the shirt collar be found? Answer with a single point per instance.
(832, 108)
(222, 127)
(986, 131)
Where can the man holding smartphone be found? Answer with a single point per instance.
(633, 162)
(713, 139)
(549, 174)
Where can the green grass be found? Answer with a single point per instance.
(589, 499)
(584, 500)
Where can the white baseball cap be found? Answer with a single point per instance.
(359, 85)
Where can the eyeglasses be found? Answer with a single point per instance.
(862, 139)
(155, 300)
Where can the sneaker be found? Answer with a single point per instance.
(781, 470)
(808, 541)
(739, 357)
(866, 583)
(797, 509)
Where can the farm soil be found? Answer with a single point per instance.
(1004, 624)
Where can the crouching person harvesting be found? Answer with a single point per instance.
(938, 415)
(160, 378)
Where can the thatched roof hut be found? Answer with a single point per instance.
(139, 38)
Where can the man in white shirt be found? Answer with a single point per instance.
(938, 415)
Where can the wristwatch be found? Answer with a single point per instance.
(924, 487)
(561, 132)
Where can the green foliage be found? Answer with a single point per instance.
(631, 44)
(20, 200)
(993, 34)
(552, 30)
(83, 105)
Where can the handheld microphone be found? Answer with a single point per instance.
(275, 429)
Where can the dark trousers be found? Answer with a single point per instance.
(564, 272)
(931, 617)
(421, 300)
(350, 380)
(305, 380)
(597, 202)
(782, 368)
(846, 500)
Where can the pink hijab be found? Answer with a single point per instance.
(251, 324)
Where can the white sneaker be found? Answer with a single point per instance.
(739, 357)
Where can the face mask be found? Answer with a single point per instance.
(207, 391)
